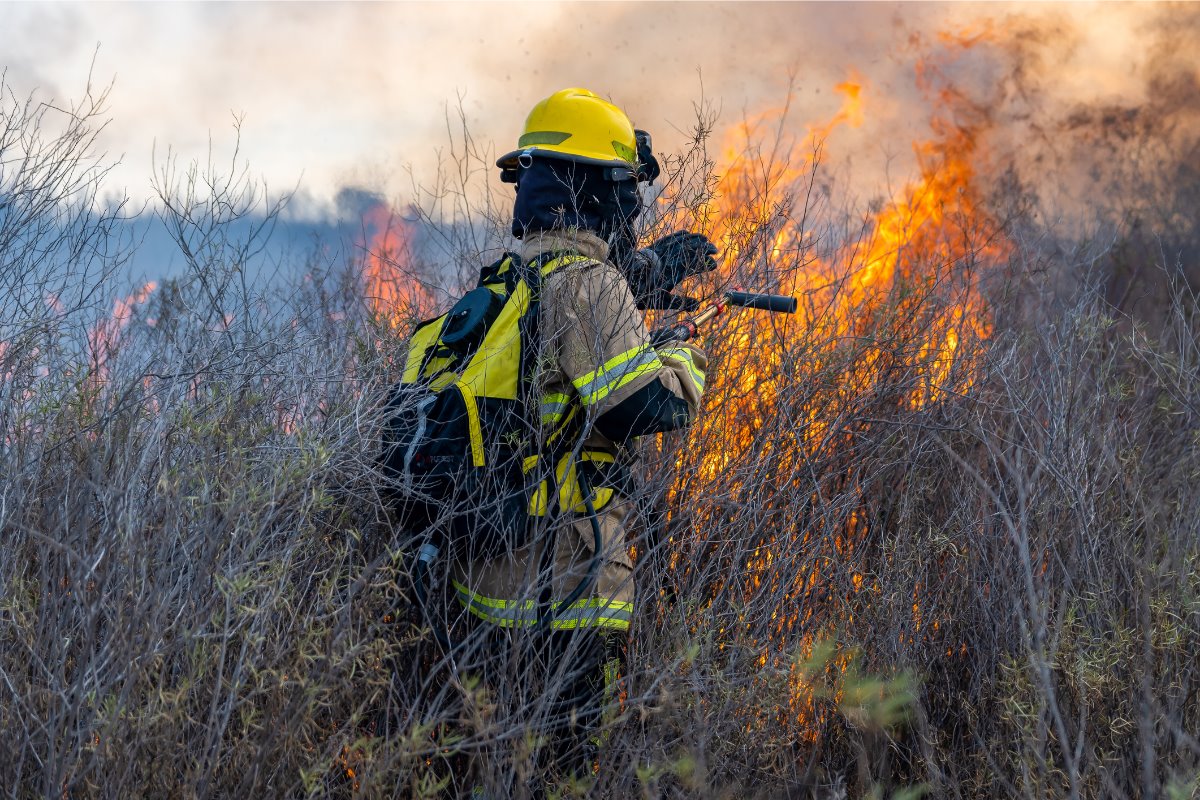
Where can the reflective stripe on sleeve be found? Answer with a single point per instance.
(684, 354)
(615, 373)
(553, 408)
(590, 613)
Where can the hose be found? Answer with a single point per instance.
(426, 555)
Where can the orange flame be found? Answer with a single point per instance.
(909, 252)
(393, 291)
(913, 271)
(850, 114)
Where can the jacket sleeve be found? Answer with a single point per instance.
(603, 347)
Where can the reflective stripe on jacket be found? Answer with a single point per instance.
(596, 612)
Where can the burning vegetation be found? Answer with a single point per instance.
(394, 292)
(891, 321)
(936, 531)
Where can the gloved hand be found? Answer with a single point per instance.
(659, 268)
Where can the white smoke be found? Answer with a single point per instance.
(338, 95)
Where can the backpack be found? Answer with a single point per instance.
(462, 426)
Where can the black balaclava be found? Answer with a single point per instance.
(556, 194)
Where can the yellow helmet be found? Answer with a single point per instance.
(576, 125)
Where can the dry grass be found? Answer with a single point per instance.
(991, 592)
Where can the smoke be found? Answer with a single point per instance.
(1074, 100)
(359, 95)
(1143, 146)
(327, 94)
(1096, 110)
(1092, 115)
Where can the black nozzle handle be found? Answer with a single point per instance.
(675, 333)
(778, 303)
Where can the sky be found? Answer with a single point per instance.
(329, 95)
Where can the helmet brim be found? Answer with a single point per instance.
(510, 160)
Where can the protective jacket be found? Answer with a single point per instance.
(601, 378)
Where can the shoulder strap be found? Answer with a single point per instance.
(510, 268)
(496, 271)
(529, 324)
(529, 327)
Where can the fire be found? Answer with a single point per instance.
(886, 314)
(392, 289)
(103, 337)
(748, 214)
(927, 240)
(850, 114)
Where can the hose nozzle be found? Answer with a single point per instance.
(778, 303)
(682, 331)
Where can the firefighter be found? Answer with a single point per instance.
(602, 384)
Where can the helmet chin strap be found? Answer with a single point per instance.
(622, 243)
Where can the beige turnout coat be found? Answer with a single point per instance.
(595, 354)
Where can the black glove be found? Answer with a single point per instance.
(662, 266)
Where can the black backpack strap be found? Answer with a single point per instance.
(530, 328)
(531, 274)
(498, 270)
